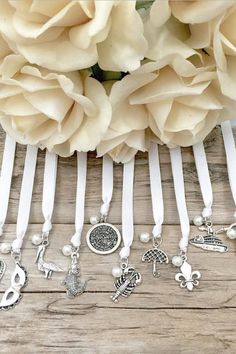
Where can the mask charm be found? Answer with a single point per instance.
(127, 282)
(187, 278)
(45, 267)
(19, 279)
(3, 268)
(155, 256)
(209, 242)
(73, 283)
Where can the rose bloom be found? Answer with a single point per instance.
(65, 35)
(63, 112)
(178, 101)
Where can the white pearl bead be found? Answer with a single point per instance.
(198, 220)
(116, 272)
(36, 239)
(231, 233)
(177, 261)
(144, 237)
(67, 250)
(5, 248)
(94, 220)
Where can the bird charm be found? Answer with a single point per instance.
(47, 267)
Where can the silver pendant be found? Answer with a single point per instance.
(3, 268)
(46, 267)
(103, 238)
(13, 294)
(187, 278)
(74, 284)
(209, 243)
(155, 255)
(127, 282)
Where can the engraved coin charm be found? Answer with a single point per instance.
(103, 238)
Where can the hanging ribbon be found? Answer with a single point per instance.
(6, 178)
(230, 150)
(127, 208)
(204, 178)
(177, 171)
(49, 189)
(25, 197)
(80, 197)
(107, 185)
(156, 189)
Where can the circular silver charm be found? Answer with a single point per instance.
(103, 238)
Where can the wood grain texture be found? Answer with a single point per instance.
(158, 317)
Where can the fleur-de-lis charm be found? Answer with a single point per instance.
(187, 278)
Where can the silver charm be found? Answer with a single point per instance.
(187, 278)
(103, 238)
(208, 242)
(46, 267)
(74, 284)
(155, 255)
(19, 279)
(3, 268)
(127, 282)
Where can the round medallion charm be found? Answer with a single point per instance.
(103, 238)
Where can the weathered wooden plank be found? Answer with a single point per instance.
(217, 287)
(65, 195)
(47, 323)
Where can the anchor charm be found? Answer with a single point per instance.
(155, 255)
(187, 278)
(47, 267)
(73, 283)
(127, 282)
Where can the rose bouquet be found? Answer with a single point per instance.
(116, 75)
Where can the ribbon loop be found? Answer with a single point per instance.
(127, 208)
(178, 178)
(25, 196)
(80, 197)
(204, 178)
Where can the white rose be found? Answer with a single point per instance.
(63, 112)
(67, 35)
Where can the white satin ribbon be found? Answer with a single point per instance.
(204, 178)
(230, 150)
(107, 185)
(156, 189)
(6, 178)
(127, 209)
(25, 197)
(49, 189)
(178, 178)
(80, 198)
